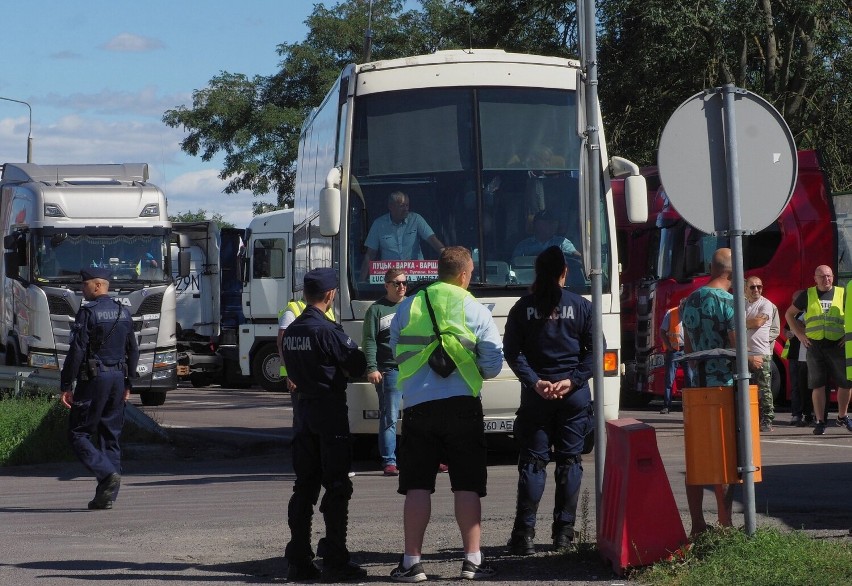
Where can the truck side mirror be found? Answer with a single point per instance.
(183, 263)
(635, 189)
(13, 265)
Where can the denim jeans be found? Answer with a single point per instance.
(390, 398)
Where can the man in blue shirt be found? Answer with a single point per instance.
(397, 234)
(544, 227)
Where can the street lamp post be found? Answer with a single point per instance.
(30, 135)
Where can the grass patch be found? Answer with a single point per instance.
(767, 558)
(34, 430)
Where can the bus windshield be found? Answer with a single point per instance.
(493, 169)
(131, 258)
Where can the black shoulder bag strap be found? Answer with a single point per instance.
(439, 360)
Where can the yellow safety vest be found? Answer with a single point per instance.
(297, 307)
(417, 339)
(847, 317)
(821, 325)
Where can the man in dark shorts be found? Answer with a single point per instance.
(442, 420)
(822, 334)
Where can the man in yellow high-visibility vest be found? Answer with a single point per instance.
(823, 335)
(442, 420)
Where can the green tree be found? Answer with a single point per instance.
(200, 215)
(654, 54)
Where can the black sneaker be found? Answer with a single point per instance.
(797, 421)
(302, 572)
(413, 574)
(819, 428)
(342, 572)
(664, 411)
(844, 422)
(521, 545)
(471, 571)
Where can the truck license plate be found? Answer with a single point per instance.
(499, 425)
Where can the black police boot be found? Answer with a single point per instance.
(563, 537)
(342, 572)
(105, 491)
(521, 544)
(304, 571)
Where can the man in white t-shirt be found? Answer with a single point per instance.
(761, 318)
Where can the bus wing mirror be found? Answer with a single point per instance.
(329, 204)
(635, 189)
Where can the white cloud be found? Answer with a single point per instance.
(203, 190)
(130, 43)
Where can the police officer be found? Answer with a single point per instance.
(102, 351)
(285, 317)
(319, 357)
(548, 345)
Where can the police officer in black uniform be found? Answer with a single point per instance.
(103, 350)
(548, 345)
(319, 357)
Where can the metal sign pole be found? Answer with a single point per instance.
(741, 376)
(593, 180)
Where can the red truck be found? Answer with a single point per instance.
(668, 259)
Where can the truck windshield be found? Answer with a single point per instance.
(131, 258)
(493, 169)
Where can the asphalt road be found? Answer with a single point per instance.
(211, 506)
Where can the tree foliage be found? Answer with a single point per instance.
(200, 215)
(654, 54)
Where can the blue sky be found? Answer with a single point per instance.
(99, 74)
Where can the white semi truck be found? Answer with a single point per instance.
(57, 219)
(267, 276)
(209, 303)
(228, 304)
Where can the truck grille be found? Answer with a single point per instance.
(59, 306)
(151, 304)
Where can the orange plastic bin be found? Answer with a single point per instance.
(710, 435)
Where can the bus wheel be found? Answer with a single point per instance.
(266, 369)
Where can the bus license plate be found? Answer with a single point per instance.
(499, 425)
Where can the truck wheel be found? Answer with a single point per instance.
(199, 379)
(265, 368)
(152, 398)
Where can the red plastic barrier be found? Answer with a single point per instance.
(640, 522)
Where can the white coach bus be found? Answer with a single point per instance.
(482, 142)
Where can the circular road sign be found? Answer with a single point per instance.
(693, 163)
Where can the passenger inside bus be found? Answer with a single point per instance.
(545, 224)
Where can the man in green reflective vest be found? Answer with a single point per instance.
(285, 317)
(445, 344)
(823, 335)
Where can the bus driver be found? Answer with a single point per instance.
(397, 234)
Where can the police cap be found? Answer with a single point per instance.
(320, 280)
(90, 273)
